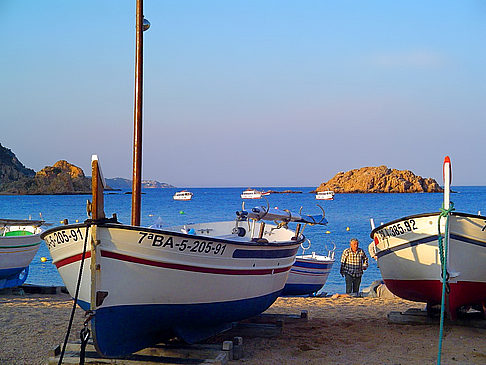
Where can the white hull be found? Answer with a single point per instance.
(325, 195)
(409, 261)
(17, 252)
(143, 269)
(252, 194)
(183, 195)
(308, 274)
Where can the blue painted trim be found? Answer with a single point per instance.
(406, 245)
(264, 254)
(309, 272)
(468, 240)
(429, 239)
(122, 330)
(313, 265)
(301, 289)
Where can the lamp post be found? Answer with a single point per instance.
(141, 25)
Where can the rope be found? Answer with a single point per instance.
(445, 275)
(61, 356)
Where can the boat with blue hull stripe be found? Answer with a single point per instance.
(428, 240)
(301, 289)
(124, 329)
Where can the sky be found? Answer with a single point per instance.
(247, 92)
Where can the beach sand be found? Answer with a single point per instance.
(339, 331)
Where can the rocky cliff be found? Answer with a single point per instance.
(61, 178)
(380, 179)
(11, 169)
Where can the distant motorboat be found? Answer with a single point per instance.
(183, 195)
(19, 242)
(309, 273)
(253, 194)
(325, 195)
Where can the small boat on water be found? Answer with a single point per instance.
(253, 194)
(309, 273)
(409, 256)
(325, 195)
(19, 242)
(183, 195)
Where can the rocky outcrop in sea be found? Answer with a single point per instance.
(61, 178)
(380, 179)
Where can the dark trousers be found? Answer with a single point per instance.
(352, 283)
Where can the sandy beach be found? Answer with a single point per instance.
(338, 331)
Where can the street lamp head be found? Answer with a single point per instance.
(146, 24)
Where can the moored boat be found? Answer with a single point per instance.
(253, 194)
(409, 252)
(183, 195)
(325, 195)
(309, 273)
(145, 285)
(19, 242)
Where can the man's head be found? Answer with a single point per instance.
(353, 243)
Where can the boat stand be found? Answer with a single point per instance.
(167, 354)
(416, 316)
(219, 353)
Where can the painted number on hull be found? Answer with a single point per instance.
(157, 240)
(64, 236)
(398, 229)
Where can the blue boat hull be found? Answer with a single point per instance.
(301, 289)
(10, 278)
(121, 330)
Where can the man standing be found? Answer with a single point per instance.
(353, 262)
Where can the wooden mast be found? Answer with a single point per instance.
(137, 125)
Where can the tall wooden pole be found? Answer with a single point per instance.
(137, 125)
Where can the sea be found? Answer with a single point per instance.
(348, 216)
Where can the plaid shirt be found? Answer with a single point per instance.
(353, 263)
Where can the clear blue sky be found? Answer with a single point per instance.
(248, 93)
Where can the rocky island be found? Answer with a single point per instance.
(379, 179)
(61, 178)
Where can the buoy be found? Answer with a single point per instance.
(327, 232)
(43, 259)
(347, 228)
(181, 212)
(77, 220)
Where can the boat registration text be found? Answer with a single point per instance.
(398, 229)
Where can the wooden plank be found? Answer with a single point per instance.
(243, 329)
(415, 316)
(41, 289)
(274, 317)
(158, 354)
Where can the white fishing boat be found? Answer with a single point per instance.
(253, 194)
(325, 195)
(19, 242)
(144, 285)
(408, 254)
(309, 273)
(183, 195)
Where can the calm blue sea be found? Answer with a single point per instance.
(348, 215)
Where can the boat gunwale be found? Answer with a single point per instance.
(178, 234)
(420, 215)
